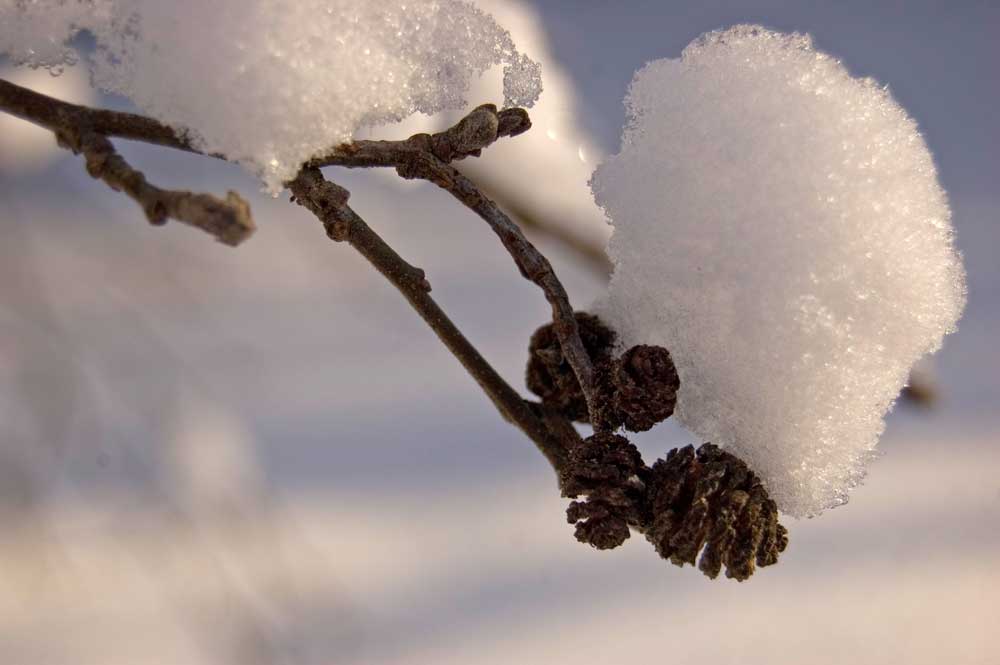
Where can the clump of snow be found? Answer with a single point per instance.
(554, 160)
(779, 227)
(36, 32)
(270, 83)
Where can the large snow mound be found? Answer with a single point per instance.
(779, 227)
(270, 83)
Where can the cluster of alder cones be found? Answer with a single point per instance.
(703, 506)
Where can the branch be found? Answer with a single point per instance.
(54, 114)
(229, 221)
(467, 138)
(735, 524)
(477, 130)
(85, 131)
(540, 227)
(328, 202)
(428, 156)
(532, 264)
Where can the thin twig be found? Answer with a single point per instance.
(83, 130)
(532, 263)
(328, 202)
(467, 138)
(428, 156)
(229, 221)
(88, 129)
(54, 114)
(540, 227)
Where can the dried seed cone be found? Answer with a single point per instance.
(550, 376)
(606, 469)
(708, 502)
(637, 390)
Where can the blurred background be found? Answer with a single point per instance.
(262, 455)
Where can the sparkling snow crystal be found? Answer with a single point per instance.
(779, 227)
(270, 83)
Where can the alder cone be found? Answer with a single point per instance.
(637, 390)
(709, 502)
(606, 468)
(550, 376)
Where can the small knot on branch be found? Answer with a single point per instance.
(468, 137)
(475, 131)
(513, 121)
(549, 374)
(607, 469)
(417, 278)
(320, 196)
(337, 230)
(413, 168)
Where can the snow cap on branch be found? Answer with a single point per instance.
(780, 229)
(269, 83)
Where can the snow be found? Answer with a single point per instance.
(780, 228)
(270, 84)
(554, 160)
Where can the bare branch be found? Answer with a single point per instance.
(54, 114)
(428, 156)
(229, 220)
(328, 202)
(86, 130)
(477, 130)
(540, 227)
(532, 264)
(83, 130)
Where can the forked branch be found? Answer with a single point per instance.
(428, 157)
(700, 506)
(328, 202)
(84, 130)
(87, 131)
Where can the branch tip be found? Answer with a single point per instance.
(85, 131)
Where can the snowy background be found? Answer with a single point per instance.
(261, 455)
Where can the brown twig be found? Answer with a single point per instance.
(428, 157)
(466, 138)
(84, 130)
(532, 264)
(54, 114)
(229, 221)
(87, 130)
(541, 228)
(328, 202)
(477, 130)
